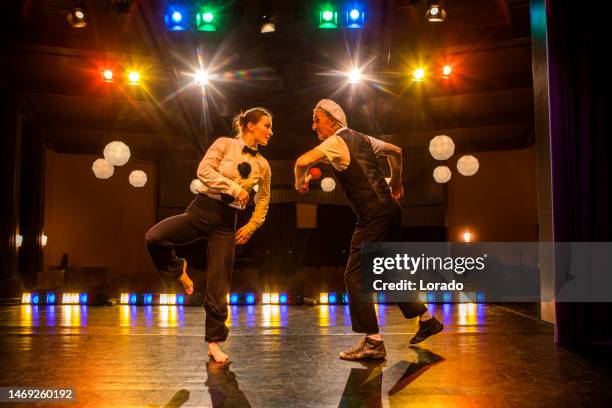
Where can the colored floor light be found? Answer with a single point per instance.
(133, 298)
(172, 299)
(355, 18)
(107, 75)
(180, 299)
(418, 75)
(274, 298)
(250, 299)
(206, 20)
(51, 298)
(26, 298)
(163, 299)
(328, 18)
(446, 297)
(332, 298)
(381, 298)
(175, 19)
(282, 299)
(134, 78)
(124, 298)
(431, 297)
(265, 299)
(345, 298)
(480, 297)
(35, 298)
(323, 298)
(233, 299)
(83, 298)
(148, 299)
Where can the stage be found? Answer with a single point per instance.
(286, 356)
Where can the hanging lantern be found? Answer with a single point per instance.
(117, 153)
(441, 174)
(468, 165)
(102, 169)
(328, 184)
(138, 178)
(441, 147)
(195, 186)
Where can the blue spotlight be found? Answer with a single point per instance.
(83, 298)
(282, 299)
(233, 299)
(354, 17)
(446, 297)
(250, 299)
(345, 298)
(180, 299)
(133, 298)
(148, 299)
(332, 298)
(50, 298)
(381, 298)
(431, 297)
(480, 297)
(35, 298)
(175, 19)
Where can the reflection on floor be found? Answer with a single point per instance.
(286, 356)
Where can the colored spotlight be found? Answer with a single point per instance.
(436, 13)
(250, 299)
(323, 298)
(134, 78)
(331, 298)
(282, 299)
(177, 17)
(35, 298)
(274, 298)
(446, 297)
(446, 71)
(381, 298)
(345, 298)
(50, 298)
(418, 75)
(107, 75)
(205, 21)
(354, 76)
(180, 299)
(77, 18)
(201, 78)
(355, 18)
(26, 298)
(431, 297)
(124, 298)
(480, 297)
(175, 20)
(265, 299)
(133, 299)
(354, 14)
(83, 298)
(163, 299)
(328, 18)
(148, 299)
(172, 299)
(233, 299)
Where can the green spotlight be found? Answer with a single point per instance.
(206, 20)
(328, 18)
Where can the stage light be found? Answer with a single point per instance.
(354, 76)
(172, 299)
(345, 298)
(35, 298)
(148, 299)
(418, 75)
(435, 13)
(328, 18)
(77, 18)
(205, 20)
(355, 18)
(26, 297)
(431, 297)
(18, 241)
(107, 75)
(70, 298)
(331, 298)
(83, 298)
(323, 298)
(43, 240)
(175, 19)
(163, 299)
(274, 298)
(133, 299)
(381, 298)
(268, 20)
(180, 299)
(446, 71)
(201, 78)
(467, 236)
(134, 78)
(282, 299)
(124, 298)
(446, 297)
(480, 297)
(233, 299)
(265, 299)
(51, 298)
(250, 299)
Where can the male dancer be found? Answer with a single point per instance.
(352, 156)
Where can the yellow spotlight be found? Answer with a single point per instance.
(354, 76)
(163, 299)
(172, 299)
(107, 75)
(201, 78)
(418, 75)
(274, 298)
(124, 299)
(134, 77)
(323, 298)
(446, 71)
(467, 236)
(26, 297)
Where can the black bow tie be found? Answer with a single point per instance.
(247, 149)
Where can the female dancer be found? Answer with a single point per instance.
(230, 169)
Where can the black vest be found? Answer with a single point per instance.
(363, 181)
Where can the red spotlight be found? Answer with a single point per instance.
(315, 173)
(107, 75)
(446, 71)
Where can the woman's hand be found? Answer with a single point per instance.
(243, 236)
(304, 187)
(243, 198)
(397, 188)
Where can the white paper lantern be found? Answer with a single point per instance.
(138, 178)
(195, 186)
(441, 147)
(468, 165)
(441, 174)
(102, 169)
(328, 184)
(117, 153)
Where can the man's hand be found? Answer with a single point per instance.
(397, 188)
(243, 198)
(304, 187)
(243, 236)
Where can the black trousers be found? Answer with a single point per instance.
(204, 218)
(385, 226)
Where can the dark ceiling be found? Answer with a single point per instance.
(54, 72)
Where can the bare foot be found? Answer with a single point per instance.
(215, 352)
(185, 279)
